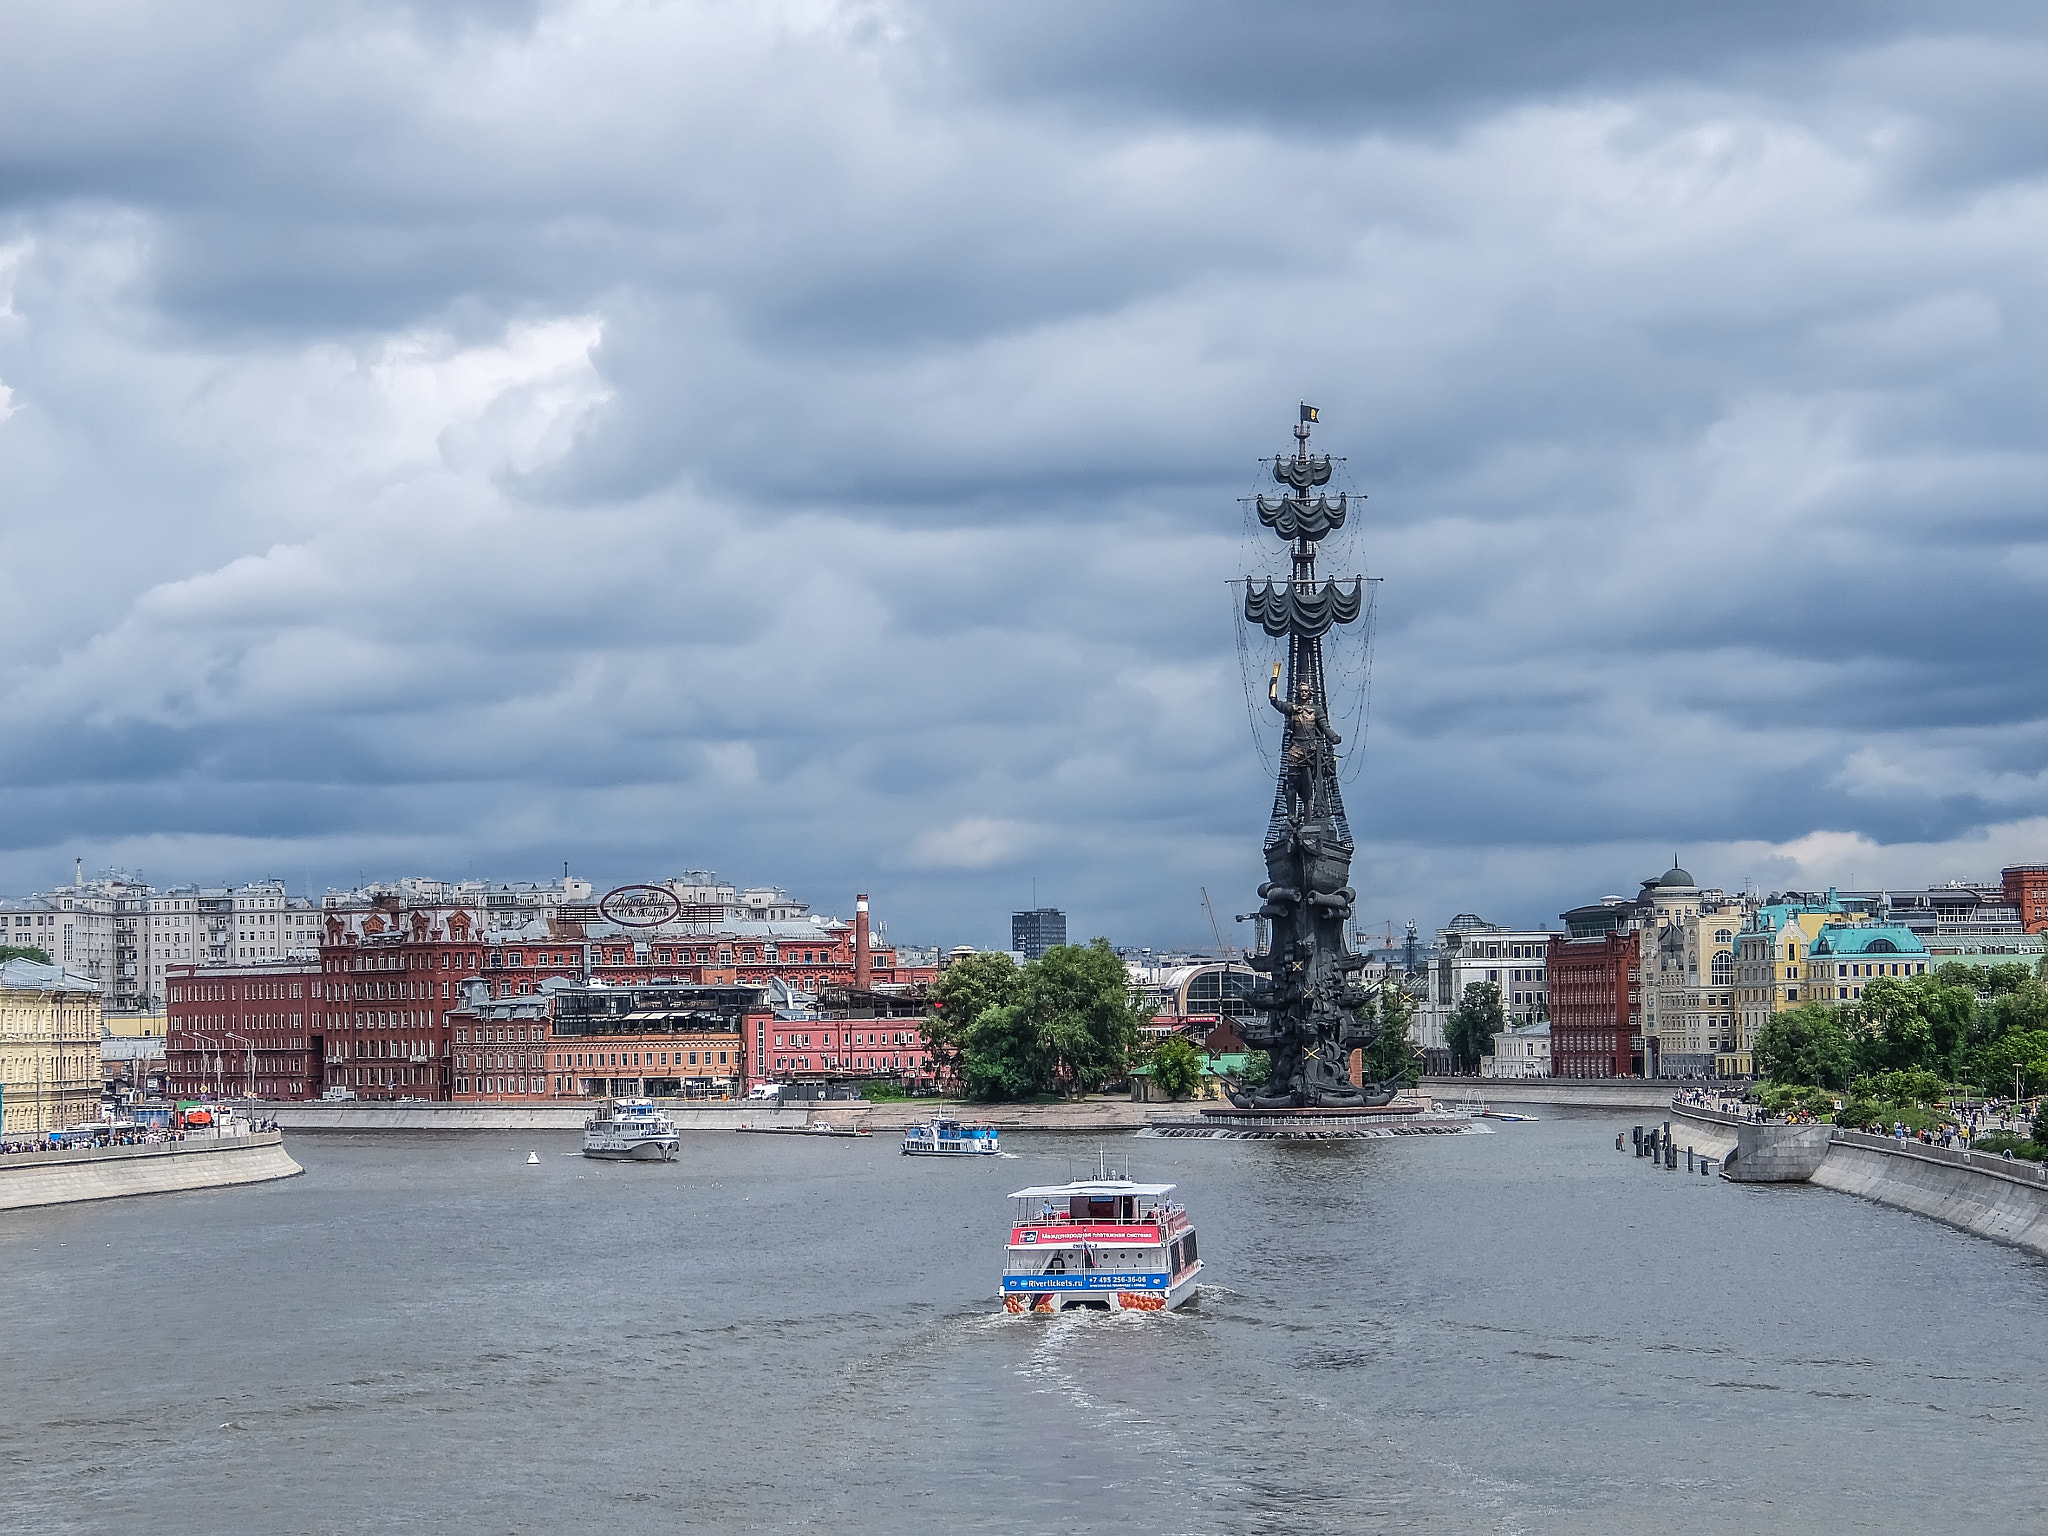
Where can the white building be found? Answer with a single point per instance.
(1470, 949)
(1520, 1052)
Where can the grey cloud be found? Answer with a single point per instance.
(810, 447)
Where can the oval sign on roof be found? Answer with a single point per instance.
(640, 906)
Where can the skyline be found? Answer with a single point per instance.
(806, 443)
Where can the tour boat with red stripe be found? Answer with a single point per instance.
(1106, 1244)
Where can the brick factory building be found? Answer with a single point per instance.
(2026, 887)
(1596, 1014)
(373, 1012)
(252, 1026)
(855, 1036)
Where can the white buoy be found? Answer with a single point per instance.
(533, 1157)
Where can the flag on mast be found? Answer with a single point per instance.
(1309, 414)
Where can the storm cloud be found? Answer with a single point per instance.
(805, 440)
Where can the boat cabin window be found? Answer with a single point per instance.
(1103, 1208)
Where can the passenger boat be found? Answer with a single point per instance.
(632, 1129)
(1103, 1243)
(949, 1138)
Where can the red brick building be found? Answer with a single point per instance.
(239, 1029)
(1596, 1014)
(2026, 887)
(373, 1013)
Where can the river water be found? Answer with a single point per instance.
(1525, 1331)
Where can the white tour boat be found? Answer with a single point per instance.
(630, 1128)
(949, 1138)
(1104, 1243)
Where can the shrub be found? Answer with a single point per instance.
(1998, 1142)
(1858, 1113)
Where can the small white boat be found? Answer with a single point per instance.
(1106, 1244)
(631, 1129)
(950, 1138)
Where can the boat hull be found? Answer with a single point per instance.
(1049, 1303)
(661, 1150)
(951, 1151)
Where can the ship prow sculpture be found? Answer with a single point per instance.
(1313, 1009)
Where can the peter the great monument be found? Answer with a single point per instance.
(1311, 1008)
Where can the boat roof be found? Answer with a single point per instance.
(1090, 1187)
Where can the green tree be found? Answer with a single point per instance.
(1258, 1066)
(2008, 976)
(1893, 1029)
(2024, 1051)
(1471, 1026)
(1392, 1057)
(1002, 1056)
(22, 952)
(1176, 1065)
(965, 990)
(1807, 1044)
(1078, 1000)
(1064, 1023)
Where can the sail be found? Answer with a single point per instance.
(1309, 612)
(1303, 471)
(1296, 517)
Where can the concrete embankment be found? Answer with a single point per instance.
(1084, 1115)
(1979, 1192)
(1750, 1151)
(1585, 1093)
(721, 1115)
(110, 1173)
(1991, 1196)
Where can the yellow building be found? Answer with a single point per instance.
(1771, 960)
(50, 1027)
(138, 1026)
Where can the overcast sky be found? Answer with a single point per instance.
(805, 440)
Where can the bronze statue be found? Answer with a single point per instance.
(1313, 1010)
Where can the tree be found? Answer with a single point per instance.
(1064, 1023)
(2008, 976)
(1258, 1066)
(2021, 1051)
(1176, 1066)
(22, 952)
(1002, 1056)
(1077, 999)
(1806, 1044)
(1392, 1057)
(1470, 1029)
(964, 991)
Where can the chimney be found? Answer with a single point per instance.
(862, 973)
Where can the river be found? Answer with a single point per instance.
(1518, 1332)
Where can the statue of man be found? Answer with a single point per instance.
(1308, 741)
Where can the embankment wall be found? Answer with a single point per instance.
(110, 1173)
(1979, 1192)
(1586, 1093)
(720, 1116)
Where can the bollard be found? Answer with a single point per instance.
(1670, 1156)
(1688, 1159)
(1703, 1167)
(1636, 1135)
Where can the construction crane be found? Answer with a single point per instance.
(1221, 947)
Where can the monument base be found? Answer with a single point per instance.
(1338, 1123)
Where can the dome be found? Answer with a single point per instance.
(1676, 877)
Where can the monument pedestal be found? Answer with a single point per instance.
(1362, 1122)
